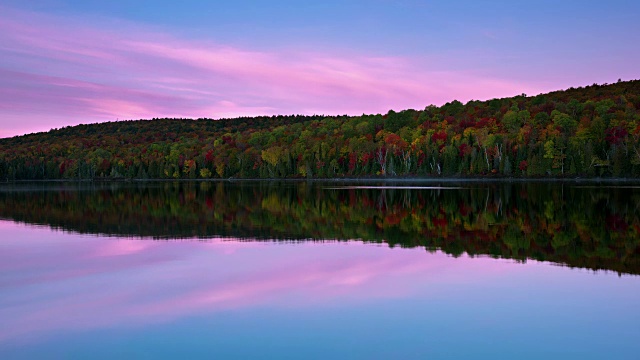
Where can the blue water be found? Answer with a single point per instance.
(70, 296)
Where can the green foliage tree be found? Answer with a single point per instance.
(594, 131)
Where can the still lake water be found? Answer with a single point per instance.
(317, 271)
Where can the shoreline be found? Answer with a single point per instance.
(425, 180)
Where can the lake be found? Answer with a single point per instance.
(313, 270)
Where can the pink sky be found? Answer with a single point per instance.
(66, 62)
(60, 71)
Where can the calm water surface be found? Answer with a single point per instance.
(297, 270)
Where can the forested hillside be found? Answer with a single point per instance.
(587, 132)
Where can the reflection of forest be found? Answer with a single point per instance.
(593, 227)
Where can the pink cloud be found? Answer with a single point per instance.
(59, 72)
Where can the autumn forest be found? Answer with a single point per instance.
(591, 131)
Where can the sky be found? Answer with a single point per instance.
(66, 62)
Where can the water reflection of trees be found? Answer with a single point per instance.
(591, 227)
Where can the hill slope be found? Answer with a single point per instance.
(590, 131)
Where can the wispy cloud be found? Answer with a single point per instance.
(59, 71)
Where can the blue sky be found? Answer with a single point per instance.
(139, 59)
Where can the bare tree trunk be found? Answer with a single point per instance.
(486, 157)
(382, 160)
(406, 156)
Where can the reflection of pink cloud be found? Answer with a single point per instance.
(124, 247)
(318, 281)
(61, 71)
(66, 281)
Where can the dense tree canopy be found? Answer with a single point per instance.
(587, 132)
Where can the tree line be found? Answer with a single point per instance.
(591, 131)
(573, 225)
